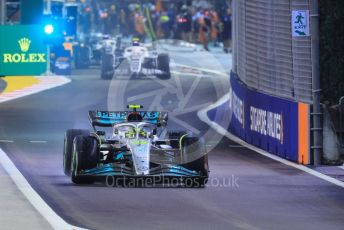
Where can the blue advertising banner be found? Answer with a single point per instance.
(267, 122)
(61, 61)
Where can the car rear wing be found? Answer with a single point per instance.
(110, 118)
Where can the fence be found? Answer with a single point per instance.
(266, 57)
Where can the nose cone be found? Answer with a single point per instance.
(140, 149)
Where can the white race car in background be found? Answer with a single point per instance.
(136, 61)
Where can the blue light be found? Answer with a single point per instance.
(49, 29)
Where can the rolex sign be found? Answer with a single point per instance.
(22, 50)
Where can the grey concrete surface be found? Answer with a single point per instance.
(246, 190)
(331, 144)
(16, 211)
(216, 59)
(336, 172)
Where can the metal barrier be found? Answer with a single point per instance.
(266, 56)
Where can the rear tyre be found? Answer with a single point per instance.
(164, 65)
(194, 147)
(134, 76)
(85, 156)
(107, 70)
(68, 147)
(82, 57)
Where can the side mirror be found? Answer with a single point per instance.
(164, 119)
(154, 132)
(105, 147)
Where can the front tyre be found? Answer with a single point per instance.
(107, 69)
(68, 147)
(174, 137)
(82, 57)
(85, 156)
(164, 66)
(194, 153)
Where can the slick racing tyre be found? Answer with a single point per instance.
(85, 156)
(193, 146)
(134, 76)
(82, 57)
(107, 70)
(176, 134)
(174, 137)
(68, 147)
(164, 66)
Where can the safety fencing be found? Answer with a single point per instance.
(266, 56)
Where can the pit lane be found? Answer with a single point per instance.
(246, 190)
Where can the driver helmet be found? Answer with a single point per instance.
(136, 42)
(106, 37)
(134, 117)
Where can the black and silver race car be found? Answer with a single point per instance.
(134, 150)
(88, 50)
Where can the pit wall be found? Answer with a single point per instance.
(275, 125)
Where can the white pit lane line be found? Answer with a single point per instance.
(6, 141)
(202, 114)
(38, 142)
(37, 202)
(23, 185)
(203, 69)
(341, 167)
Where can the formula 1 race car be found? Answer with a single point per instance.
(134, 150)
(136, 60)
(111, 56)
(88, 50)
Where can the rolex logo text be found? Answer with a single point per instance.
(24, 56)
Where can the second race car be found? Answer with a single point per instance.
(136, 61)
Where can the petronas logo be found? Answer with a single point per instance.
(24, 44)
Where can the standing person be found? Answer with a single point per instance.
(96, 16)
(122, 23)
(215, 21)
(197, 14)
(184, 24)
(204, 29)
(104, 15)
(227, 31)
(165, 25)
(86, 20)
(139, 24)
(113, 19)
(171, 22)
(154, 14)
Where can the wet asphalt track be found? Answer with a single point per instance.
(246, 190)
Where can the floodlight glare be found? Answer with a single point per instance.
(48, 29)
